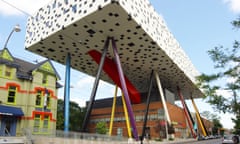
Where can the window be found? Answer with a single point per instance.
(44, 80)
(12, 91)
(119, 131)
(37, 122)
(38, 101)
(41, 123)
(1, 70)
(8, 72)
(45, 123)
(47, 99)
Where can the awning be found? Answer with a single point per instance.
(11, 111)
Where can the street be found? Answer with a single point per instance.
(211, 141)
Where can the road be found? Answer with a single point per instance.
(211, 141)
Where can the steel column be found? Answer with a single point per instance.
(147, 108)
(67, 93)
(126, 116)
(199, 118)
(186, 113)
(124, 89)
(113, 110)
(163, 101)
(95, 86)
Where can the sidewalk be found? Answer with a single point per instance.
(176, 141)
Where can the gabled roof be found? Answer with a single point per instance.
(46, 66)
(24, 68)
(5, 54)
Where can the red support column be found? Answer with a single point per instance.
(186, 113)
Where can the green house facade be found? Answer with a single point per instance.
(28, 96)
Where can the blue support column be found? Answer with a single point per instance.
(125, 91)
(67, 93)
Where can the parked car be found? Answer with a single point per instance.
(227, 139)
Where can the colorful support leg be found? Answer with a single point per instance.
(163, 101)
(186, 113)
(199, 118)
(67, 93)
(125, 91)
(147, 108)
(126, 117)
(113, 110)
(95, 86)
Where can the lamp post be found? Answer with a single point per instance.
(15, 29)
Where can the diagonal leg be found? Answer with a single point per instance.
(148, 102)
(125, 91)
(186, 113)
(204, 130)
(113, 111)
(95, 86)
(126, 117)
(163, 101)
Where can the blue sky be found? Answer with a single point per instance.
(198, 25)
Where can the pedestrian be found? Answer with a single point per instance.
(235, 139)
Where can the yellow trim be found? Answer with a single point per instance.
(47, 67)
(126, 116)
(49, 100)
(41, 99)
(1, 70)
(15, 94)
(45, 79)
(47, 119)
(6, 55)
(39, 123)
(113, 110)
(41, 127)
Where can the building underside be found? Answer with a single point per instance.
(127, 40)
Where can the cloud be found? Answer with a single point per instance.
(85, 82)
(234, 5)
(21, 7)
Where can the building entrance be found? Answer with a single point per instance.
(8, 126)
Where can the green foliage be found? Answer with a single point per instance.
(216, 126)
(76, 115)
(171, 139)
(226, 62)
(158, 139)
(215, 119)
(101, 128)
(237, 125)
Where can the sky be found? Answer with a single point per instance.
(198, 25)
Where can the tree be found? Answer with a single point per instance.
(76, 116)
(101, 127)
(227, 67)
(216, 126)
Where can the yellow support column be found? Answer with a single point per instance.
(113, 110)
(126, 117)
(199, 118)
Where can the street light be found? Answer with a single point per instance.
(16, 29)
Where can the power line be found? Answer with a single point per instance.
(22, 11)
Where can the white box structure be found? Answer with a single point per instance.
(143, 40)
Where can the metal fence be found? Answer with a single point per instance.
(61, 137)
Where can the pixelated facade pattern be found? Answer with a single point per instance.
(142, 37)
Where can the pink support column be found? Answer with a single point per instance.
(186, 113)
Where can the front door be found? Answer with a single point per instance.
(8, 126)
